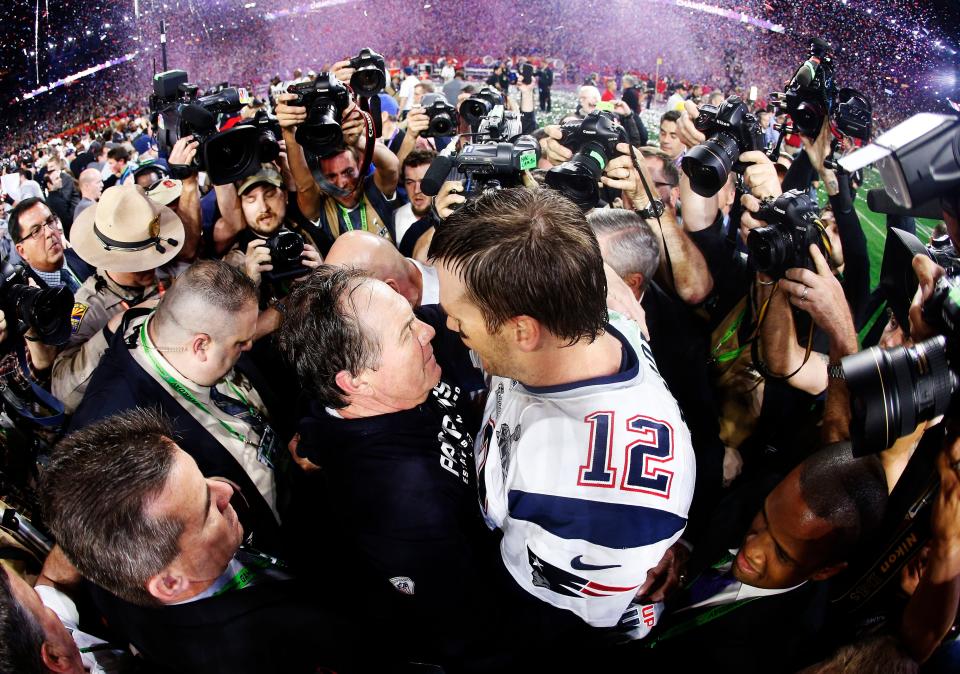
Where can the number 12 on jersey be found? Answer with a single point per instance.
(645, 456)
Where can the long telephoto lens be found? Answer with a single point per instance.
(894, 390)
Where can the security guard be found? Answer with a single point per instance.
(132, 242)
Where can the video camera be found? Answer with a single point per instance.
(326, 99)
(226, 156)
(731, 130)
(784, 243)
(497, 160)
(594, 141)
(812, 96)
(46, 310)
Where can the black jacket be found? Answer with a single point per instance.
(119, 384)
(276, 627)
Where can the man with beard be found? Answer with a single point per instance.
(263, 202)
(414, 218)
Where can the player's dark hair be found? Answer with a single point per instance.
(527, 252)
(670, 116)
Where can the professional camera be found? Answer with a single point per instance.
(812, 96)
(594, 140)
(46, 310)
(226, 156)
(785, 242)
(326, 99)
(370, 73)
(286, 247)
(499, 126)
(731, 130)
(443, 116)
(240, 151)
(479, 105)
(484, 166)
(892, 391)
(919, 162)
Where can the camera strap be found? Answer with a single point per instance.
(758, 363)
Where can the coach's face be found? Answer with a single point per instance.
(406, 369)
(465, 318)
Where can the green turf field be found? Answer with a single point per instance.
(874, 224)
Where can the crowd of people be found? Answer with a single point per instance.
(342, 413)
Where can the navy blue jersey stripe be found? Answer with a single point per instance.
(612, 525)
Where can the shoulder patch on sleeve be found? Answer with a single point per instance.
(76, 316)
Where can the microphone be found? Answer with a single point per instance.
(436, 175)
(199, 117)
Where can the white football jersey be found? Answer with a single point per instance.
(590, 484)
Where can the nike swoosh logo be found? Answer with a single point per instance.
(578, 563)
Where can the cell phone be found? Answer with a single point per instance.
(753, 94)
(605, 105)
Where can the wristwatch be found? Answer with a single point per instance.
(835, 371)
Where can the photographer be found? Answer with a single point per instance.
(263, 203)
(370, 207)
(783, 353)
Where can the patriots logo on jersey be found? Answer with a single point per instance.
(563, 582)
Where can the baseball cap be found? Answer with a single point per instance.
(144, 143)
(165, 191)
(266, 174)
(389, 105)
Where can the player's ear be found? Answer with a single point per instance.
(525, 331)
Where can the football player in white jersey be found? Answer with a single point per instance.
(584, 462)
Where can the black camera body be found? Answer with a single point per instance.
(594, 142)
(46, 310)
(785, 242)
(286, 247)
(370, 73)
(326, 99)
(443, 116)
(226, 156)
(895, 390)
(234, 154)
(479, 105)
(731, 130)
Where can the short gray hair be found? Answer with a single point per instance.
(631, 246)
(590, 90)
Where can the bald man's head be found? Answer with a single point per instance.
(379, 259)
(91, 184)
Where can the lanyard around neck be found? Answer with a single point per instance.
(348, 221)
(177, 386)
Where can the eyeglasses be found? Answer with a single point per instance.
(52, 223)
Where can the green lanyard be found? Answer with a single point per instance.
(183, 391)
(70, 272)
(735, 353)
(348, 221)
